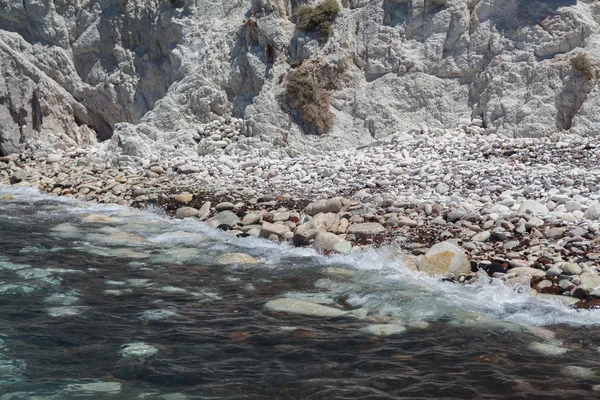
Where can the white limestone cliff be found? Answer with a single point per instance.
(149, 73)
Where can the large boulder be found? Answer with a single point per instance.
(444, 258)
(326, 241)
(267, 229)
(324, 222)
(224, 218)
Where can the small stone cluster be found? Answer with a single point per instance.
(217, 135)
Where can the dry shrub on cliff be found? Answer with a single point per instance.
(318, 18)
(583, 65)
(304, 93)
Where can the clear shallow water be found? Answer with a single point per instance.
(139, 308)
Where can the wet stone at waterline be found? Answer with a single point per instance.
(173, 309)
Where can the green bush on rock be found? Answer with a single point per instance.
(319, 18)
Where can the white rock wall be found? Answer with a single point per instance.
(156, 72)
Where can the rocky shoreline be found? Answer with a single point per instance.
(454, 203)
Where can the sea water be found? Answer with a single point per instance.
(138, 308)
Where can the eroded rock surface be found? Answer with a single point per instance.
(153, 74)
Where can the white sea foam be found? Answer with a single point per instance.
(380, 283)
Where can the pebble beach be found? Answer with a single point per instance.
(457, 204)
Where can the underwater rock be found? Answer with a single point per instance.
(383, 329)
(236, 258)
(301, 307)
(137, 349)
(547, 349)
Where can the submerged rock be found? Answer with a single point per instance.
(236, 258)
(95, 387)
(137, 349)
(301, 307)
(574, 371)
(97, 219)
(383, 329)
(547, 349)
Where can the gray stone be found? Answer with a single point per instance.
(157, 169)
(302, 307)
(188, 169)
(18, 176)
(571, 268)
(204, 211)
(250, 218)
(224, 206)
(544, 285)
(326, 241)
(407, 222)
(304, 233)
(532, 205)
(366, 229)
(442, 188)
(334, 205)
(592, 213)
(527, 271)
(481, 236)
(554, 272)
(267, 229)
(455, 215)
(534, 222)
(344, 247)
(566, 300)
(53, 158)
(281, 216)
(186, 212)
(572, 206)
(555, 233)
(590, 281)
(226, 218)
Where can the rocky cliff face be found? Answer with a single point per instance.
(72, 69)
(150, 73)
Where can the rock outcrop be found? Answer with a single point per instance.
(151, 74)
(72, 70)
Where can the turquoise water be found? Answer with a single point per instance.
(139, 308)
